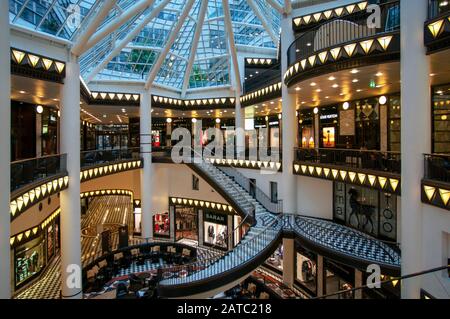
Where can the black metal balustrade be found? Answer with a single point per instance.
(437, 8)
(361, 159)
(437, 167)
(28, 171)
(97, 157)
(341, 30)
(263, 79)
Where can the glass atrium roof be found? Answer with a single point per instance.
(117, 56)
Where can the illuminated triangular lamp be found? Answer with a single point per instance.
(350, 49)
(429, 191)
(307, 19)
(366, 45)
(323, 56)
(296, 168)
(350, 8)
(436, 28)
(297, 21)
(328, 13)
(362, 5)
(18, 56)
(362, 178)
(335, 173)
(317, 16)
(382, 181)
(394, 183)
(352, 176)
(303, 167)
(326, 172)
(47, 63)
(343, 175)
(34, 60)
(319, 171)
(394, 282)
(385, 41)
(335, 53)
(94, 95)
(11, 240)
(445, 195)
(60, 67)
(311, 170)
(372, 180)
(303, 63)
(296, 67)
(13, 207)
(312, 60)
(339, 11)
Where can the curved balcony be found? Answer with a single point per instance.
(344, 43)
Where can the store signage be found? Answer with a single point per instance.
(216, 218)
(328, 116)
(274, 123)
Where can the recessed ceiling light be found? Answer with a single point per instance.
(327, 97)
(313, 84)
(297, 89)
(354, 71)
(342, 94)
(432, 74)
(318, 90)
(379, 74)
(332, 78)
(22, 92)
(355, 81)
(335, 85)
(358, 90)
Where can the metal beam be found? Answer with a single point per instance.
(78, 46)
(123, 43)
(276, 6)
(162, 56)
(229, 31)
(263, 20)
(117, 23)
(193, 53)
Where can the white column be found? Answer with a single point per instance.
(146, 172)
(5, 154)
(288, 261)
(289, 127)
(239, 118)
(416, 137)
(70, 198)
(168, 134)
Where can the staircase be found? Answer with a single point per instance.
(205, 278)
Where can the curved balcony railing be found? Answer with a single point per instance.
(362, 159)
(342, 30)
(275, 207)
(263, 79)
(29, 171)
(437, 8)
(437, 167)
(97, 157)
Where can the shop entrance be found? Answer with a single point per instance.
(186, 223)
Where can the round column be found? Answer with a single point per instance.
(5, 154)
(146, 172)
(70, 198)
(416, 137)
(289, 127)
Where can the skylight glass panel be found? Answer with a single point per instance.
(210, 73)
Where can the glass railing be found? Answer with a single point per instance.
(275, 207)
(361, 159)
(437, 167)
(98, 157)
(263, 79)
(342, 30)
(249, 248)
(436, 276)
(28, 171)
(437, 8)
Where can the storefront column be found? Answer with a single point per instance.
(288, 261)
(146, 172)
(5, 142)
(70, 198)
(358, 283)
(239, 120)
(316, 131)
(290, 127)
(320, 276)
(416, 137)
(168, 134)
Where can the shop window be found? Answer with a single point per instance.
(274, 192)
(29, 260)
(186, 223)
(195, 183)
(306, 121)
(329, 127)
(394, 124)
(368, 124)
(367, 210)
(306, 269)
(215, 229)
(276, 260)
(338, 278)
(441, 119)
(161, 225)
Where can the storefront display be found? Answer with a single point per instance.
(368, 124)
(306, 270)
(306, 131)
(276, 260)
(328, 127)
(338, 278)
(441, 119)
(367, 210)
(161, 225)
(29, 260)
(329, 137)
(186, 223)
(215, 229)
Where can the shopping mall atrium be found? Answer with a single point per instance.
(225, 149)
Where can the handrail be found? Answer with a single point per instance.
(94, 157)
(203, 265)
(391, 280)
(37, 158)
(260, 196)
(352, 31)
(356, 234)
